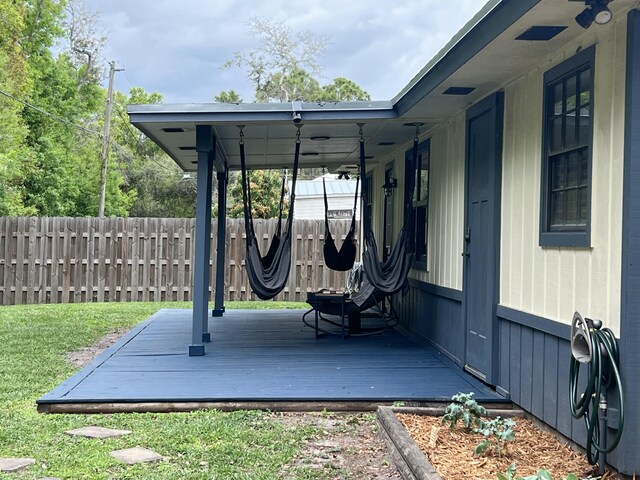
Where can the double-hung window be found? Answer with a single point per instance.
(566, 155)
(420, 200)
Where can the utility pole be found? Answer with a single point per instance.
(105, 139)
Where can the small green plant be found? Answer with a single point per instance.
(464, 408)
(496, 433)
(542, 474)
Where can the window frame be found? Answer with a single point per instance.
(424, 147)
(570, 237)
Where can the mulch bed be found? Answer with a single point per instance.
(451, 451)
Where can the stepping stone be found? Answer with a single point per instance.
(131, 456)
(97, 432)
(15, 464)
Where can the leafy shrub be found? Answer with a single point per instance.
(496, 432)
(464, 408)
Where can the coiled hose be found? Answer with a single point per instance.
(602, 373)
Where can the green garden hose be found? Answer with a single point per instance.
(601, 361)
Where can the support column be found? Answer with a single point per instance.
(626, 455)
(205, 146)
(218, 310)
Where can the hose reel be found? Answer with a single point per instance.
(596, 349)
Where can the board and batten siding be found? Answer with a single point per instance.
(446, 206)
(554, 282)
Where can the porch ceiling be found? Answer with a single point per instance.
(485, 56)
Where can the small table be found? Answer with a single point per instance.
(320, 300)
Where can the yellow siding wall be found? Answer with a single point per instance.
(554, 282)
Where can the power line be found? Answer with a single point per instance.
(52, 115)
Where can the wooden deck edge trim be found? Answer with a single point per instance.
(171, 407)
(411, 462)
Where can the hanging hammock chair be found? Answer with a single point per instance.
(343, 259)
(268, 274)
(378, 280)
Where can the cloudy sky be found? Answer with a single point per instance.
(177, 48)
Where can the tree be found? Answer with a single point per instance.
(282, 68)
(84, 42)
(230, 96)
(266, 186)
(154, 181)
(15, 156)
(286, 64)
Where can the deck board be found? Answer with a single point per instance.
(263, 356)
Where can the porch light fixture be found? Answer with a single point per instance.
(596, 11)
(343, 175)
(389, 186)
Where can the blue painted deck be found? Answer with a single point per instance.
(263, 355)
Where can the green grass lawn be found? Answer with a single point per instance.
(199, 445)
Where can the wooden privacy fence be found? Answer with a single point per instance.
(67, 260)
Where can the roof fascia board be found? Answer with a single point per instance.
(494, 18)
(259, 113)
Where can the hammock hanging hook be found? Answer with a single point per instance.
(298, 133)
(241, 128)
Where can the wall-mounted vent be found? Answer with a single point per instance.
(539, 33)
(187, 149)
(386, 144)
(173, 130)
(458, 90)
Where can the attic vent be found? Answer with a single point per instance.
(458, 90)
(173, 130)
(386, 144)
(541, 33)
(186, 149)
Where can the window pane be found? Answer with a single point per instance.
(557, 209)
(585, 87)
(584, 167)
(570, 132)
(556, 135)
(424, 184)
(557, 173)
(556, 101)
(421, 232)
(572, 169)
(582, 198)
(571, 86)
(571, 213)
(585, 124)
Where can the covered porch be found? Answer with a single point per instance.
(259, 359)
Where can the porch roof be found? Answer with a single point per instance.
(484, 56)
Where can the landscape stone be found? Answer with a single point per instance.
(135, 455)
(97, 432)
(15, 464)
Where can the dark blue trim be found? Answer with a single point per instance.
(221, 243)
(566, 239)
(535, 322)
(217, 313)
(206, 337)
(487, 30)
(196, 350)
(205, 145)
(437, 290)
(627, 451)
